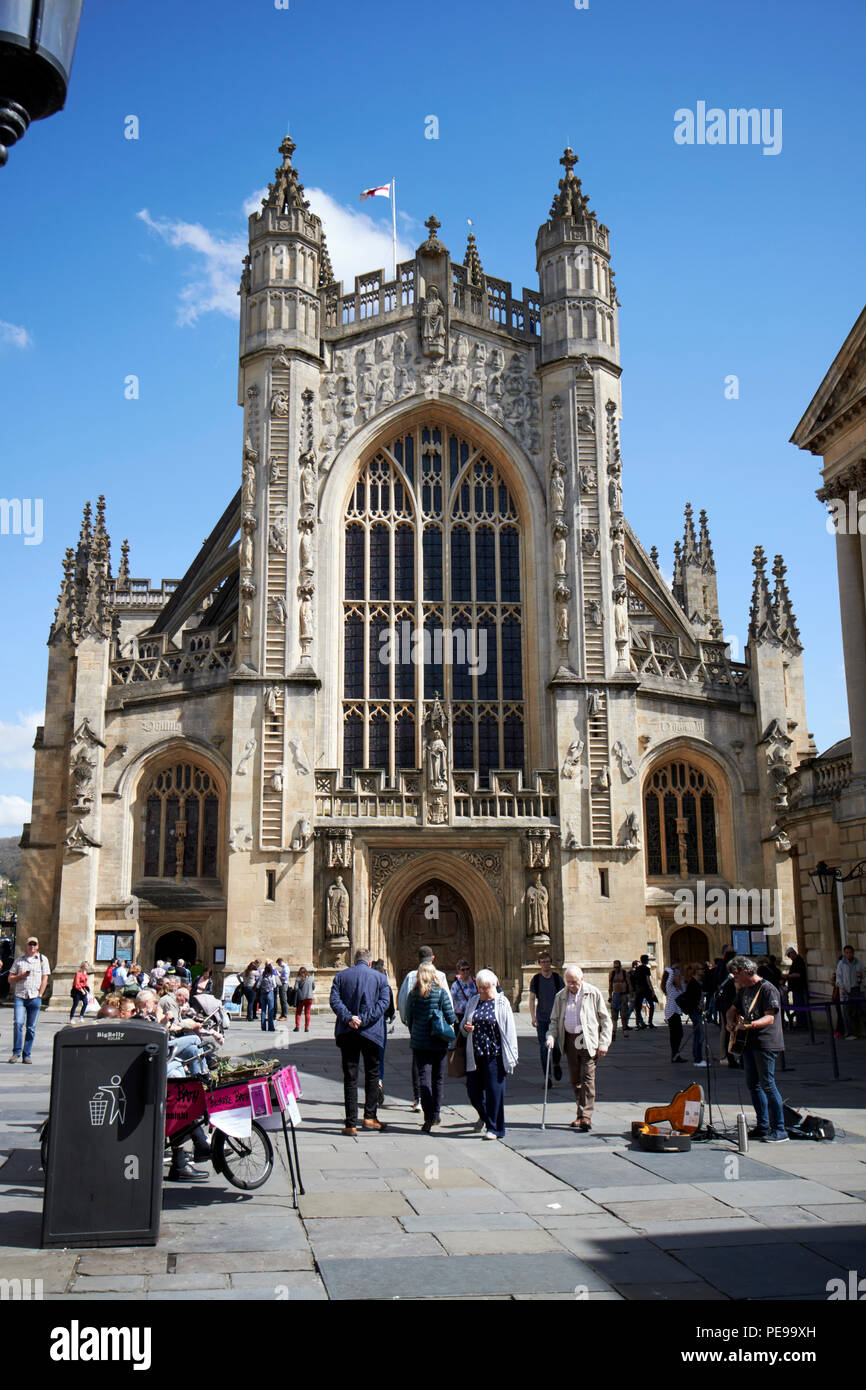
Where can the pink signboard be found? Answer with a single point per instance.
(230, 1110)
(260, 1099)
(184, 1105)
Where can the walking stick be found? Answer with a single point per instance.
(546, 1079)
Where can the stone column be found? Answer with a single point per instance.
(850, 560)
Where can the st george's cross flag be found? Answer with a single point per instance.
(384, 191)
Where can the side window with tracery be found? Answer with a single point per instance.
(432, 606)
(181, 823)
(680, 809)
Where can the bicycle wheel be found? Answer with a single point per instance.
(245, 1163)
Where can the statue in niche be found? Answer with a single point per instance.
(277, 778)
(589, 542)
(585, 419)
(280, 611)
(602, 779)
(437, 813)
(248, 489)
(620, 618)
(306, 547)
(536, 910)
(593, 704)
(280, 404)
(614, 494)
(246, 552)
(309, 486)
(433, 324)
(338, 909)
(385, 394)
(248, 592)
(587, 476)
(306, 612)
(594, 613)
(272, 698)
(562, 623)
(560, 531)
(557, 488)
(273, 469)
(617, 548)
(437, 761)
(629, 835)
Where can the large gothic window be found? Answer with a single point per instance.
(181, 823)
(432, 606)
(680, 811)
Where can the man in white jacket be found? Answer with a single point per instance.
(582, 1026)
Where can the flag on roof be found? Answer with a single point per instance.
(383, 191)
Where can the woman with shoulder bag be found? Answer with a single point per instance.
(491, 1053)
(430, 1019)
(80, 990)
(305, 988)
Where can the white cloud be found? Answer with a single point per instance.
(217, 272)
(356, 243)
(15, 336)
(14, 811)
(16, 741)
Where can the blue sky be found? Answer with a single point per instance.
(728, 261)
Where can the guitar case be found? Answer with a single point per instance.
(669, 1128)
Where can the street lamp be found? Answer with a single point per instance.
(824, 880)
(37, 41)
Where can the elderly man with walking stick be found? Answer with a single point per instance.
(582, 1026)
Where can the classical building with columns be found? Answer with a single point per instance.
(422, 683)
(826, 819)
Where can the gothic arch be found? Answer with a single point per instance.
(488, 912)
(727, 782)
(520, 476)
(151, 760)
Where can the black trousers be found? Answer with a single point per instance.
(675, 1024)
(416, 1078)
(352, 1048)
(430, 1065)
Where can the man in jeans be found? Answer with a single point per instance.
(849, 978)
(758, 1002)
(29, 975)
(543, 989)
(643, 990)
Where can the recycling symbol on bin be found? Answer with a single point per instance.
(110, 1093)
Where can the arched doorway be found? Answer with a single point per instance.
(689, 946)
(450, 934)
(174, 946)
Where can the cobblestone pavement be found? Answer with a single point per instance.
(544, 1214)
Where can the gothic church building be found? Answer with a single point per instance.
(422, 683)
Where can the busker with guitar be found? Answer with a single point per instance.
(754, 1022)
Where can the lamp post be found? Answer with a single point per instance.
(37, 42)
(824, 879)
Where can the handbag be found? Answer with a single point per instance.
(457, 1057)
(440, 1028)
(237, 994)
(291, 996)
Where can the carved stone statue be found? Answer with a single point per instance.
(557, 488)
(305, 550)
(280, 404)
(433, 324)
(280, 611)
(437, 761)
(614, 494)
(589, 542)
(602, 779)
(248, 490)
(249, 750)
(277, 778)
(594, 613)
(309, 485)
(338, 910)
(305, 616)
(585, 419)
(617, 548)
(629, 835)
(587, 476)
(560, 531)
(593, 703)
(572, 757)
(537, 925)
(277, 535)
(621, 753)
(620, 618)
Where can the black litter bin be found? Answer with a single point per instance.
(103, 1180)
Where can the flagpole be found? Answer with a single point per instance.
(394, 221)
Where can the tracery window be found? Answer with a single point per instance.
(181, 823)
(432, 606)
(680, 814)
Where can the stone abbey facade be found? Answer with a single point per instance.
(422, 682)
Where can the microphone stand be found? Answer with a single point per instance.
(708, 1129)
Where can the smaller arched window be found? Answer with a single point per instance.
(680, 812)
(181, 823)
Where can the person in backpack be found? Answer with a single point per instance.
(267, 996)
(427, 1005)
(690, 1003)
(424, 954)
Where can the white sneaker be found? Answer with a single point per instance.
(488, 1134)
(416, 1106)
(699, 1064)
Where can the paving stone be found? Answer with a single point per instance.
(405, 1184)
(132, 1260)
(786, 1269)
(320, 1182)
(675, 1235)
(791, 1221)
(189, 1279)
(485, 1241)
(847, 1251)
(699, 1208)
(839, 1214)
(564, 1198)
(594, 1171)
(639, 1261)
(450, 1177)
(459, 1199)
(701, 1165)
(460, 1276)
(347, 1204)
(672, 1194)
(255, 1294)
(108, 1283)
(246, 1262)
(355, 1231)
(96, 1295)
(37, 1264)
(794, 1192)
(470, 1221)
(292, 1282)
(340, 1243)
(670, 1293)
(277, 1235)
(594, 1296)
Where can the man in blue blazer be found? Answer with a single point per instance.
(360, 997)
